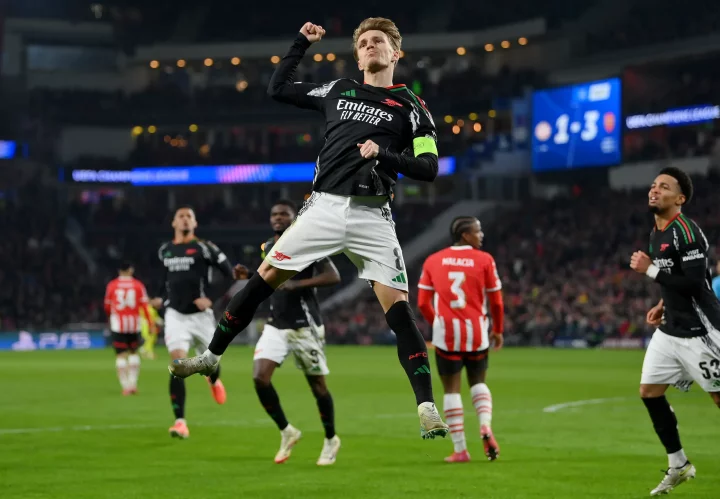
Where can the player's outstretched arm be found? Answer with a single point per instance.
(283, 87)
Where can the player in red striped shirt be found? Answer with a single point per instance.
(125, 299)
(456, 287)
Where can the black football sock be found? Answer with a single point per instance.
(215, 376)
(271, 402)
(239, 313)
(412, 351)
(177, 396)
(664, 422)
(327, 413)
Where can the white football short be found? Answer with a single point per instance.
(185, 330)
(307, 345)
(360, 227)
(680, 361)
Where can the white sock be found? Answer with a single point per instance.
(453, 408)
(133, 370)
(482, 400)
(180, 420)
(677, 459)
(121, 364)
(214, 359)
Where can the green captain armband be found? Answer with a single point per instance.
(422, 145)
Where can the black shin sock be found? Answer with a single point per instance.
(664, 422)
(271, 402)
(327, 414)
(412, 351)
(239, 313)
(177, 396)
(215, 376)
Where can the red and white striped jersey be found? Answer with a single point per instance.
(124, 297)
(460, 277)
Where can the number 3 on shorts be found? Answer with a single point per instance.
(714, 364)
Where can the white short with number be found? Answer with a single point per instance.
(185, 330)
(680, 361)
(307, 345)
(360, 227)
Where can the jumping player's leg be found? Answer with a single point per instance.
(715, 398)
(373, 247)
(476, 364)
(450, 370)
(318, 232)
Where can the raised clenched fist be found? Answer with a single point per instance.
(312, 32)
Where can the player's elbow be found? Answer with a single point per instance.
(430, 172)
(274, 90)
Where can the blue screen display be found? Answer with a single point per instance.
(577, 126)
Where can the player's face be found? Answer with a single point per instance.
(664, 194)
(474, 235)
(281, 217)
(375, 52)
(184, 220)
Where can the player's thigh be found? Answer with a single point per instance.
(317, 232)
(701, 358)
(661, 365)
(308, 347)
(203, 329)
(449, 366)
(476, 366)
(178, 331)
(272, 345)
(372, 245)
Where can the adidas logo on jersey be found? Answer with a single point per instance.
(359, 111)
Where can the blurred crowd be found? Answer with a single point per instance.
(565, 268)
(563, 262)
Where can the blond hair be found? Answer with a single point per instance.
(380, 24)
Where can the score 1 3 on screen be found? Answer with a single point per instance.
(577, 126)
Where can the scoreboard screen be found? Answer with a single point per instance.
(577, 126)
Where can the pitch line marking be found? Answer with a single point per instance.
(579, 403)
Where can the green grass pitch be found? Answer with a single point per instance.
(66, 432)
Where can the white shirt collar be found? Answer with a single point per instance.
(466, 247)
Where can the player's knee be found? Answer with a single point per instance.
(261, 379)
(650, 391)
(318, 386)
(274, 276)
(716, 398)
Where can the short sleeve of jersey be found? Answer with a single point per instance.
(492, 279)
(426, 281)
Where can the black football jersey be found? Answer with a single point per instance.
(394, 118)
(680, 251)
(189, 271)
(297, 308)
